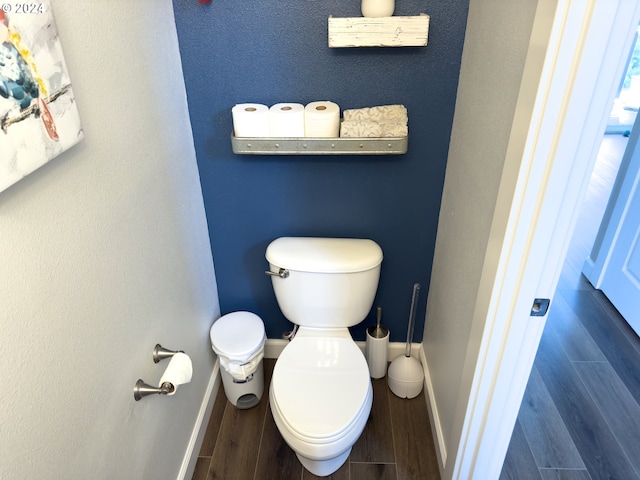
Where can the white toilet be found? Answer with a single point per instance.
(320, 392)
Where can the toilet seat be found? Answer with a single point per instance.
(321, 388)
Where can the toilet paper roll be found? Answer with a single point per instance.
(178, 372)
(250, 120)
(286, 120)
(376, 353)
(322, 119)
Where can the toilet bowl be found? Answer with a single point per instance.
(324, 413)
(321, 393)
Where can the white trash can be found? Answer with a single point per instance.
(238, 338)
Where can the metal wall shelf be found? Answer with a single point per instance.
(319, 146)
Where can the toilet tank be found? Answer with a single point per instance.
(329, 282)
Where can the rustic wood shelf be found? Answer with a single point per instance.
(318, 146)
(379, 32)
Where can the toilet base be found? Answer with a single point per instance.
(324, 468)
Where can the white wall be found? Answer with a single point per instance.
(495, 48)
(104, 252)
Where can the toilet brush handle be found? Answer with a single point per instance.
(412, 318)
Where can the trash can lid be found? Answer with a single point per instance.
(238, 336)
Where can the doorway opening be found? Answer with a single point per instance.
(582, 383)
(614, 143)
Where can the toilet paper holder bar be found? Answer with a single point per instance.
(142, 389)
(160, 353)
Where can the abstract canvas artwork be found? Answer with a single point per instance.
(38, 115)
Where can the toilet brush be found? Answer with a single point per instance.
(376, 348)
(405, 374)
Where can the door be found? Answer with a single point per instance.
(621, 276)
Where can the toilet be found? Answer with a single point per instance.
(321, 393)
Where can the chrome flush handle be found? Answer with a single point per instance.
(282, 273)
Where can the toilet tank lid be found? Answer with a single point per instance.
(324, 255)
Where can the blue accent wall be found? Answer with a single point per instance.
(270, 51)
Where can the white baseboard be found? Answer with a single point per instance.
(434, 418)
(200, 428)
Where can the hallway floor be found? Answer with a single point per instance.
(396, 444)
(580, 416)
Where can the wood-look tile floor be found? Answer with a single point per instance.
(580, 416)
(396, 444)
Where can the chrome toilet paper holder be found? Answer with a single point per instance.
(142, 389)
(160, 353)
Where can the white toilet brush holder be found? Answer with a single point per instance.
(405, 375)
(376, 348)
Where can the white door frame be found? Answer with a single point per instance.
(575, 59)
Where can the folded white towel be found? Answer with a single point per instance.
(384, 113)
(373, 129)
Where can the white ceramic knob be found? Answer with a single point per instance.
(378, 8)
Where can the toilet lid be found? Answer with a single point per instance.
(320, 385)
(238, 335)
